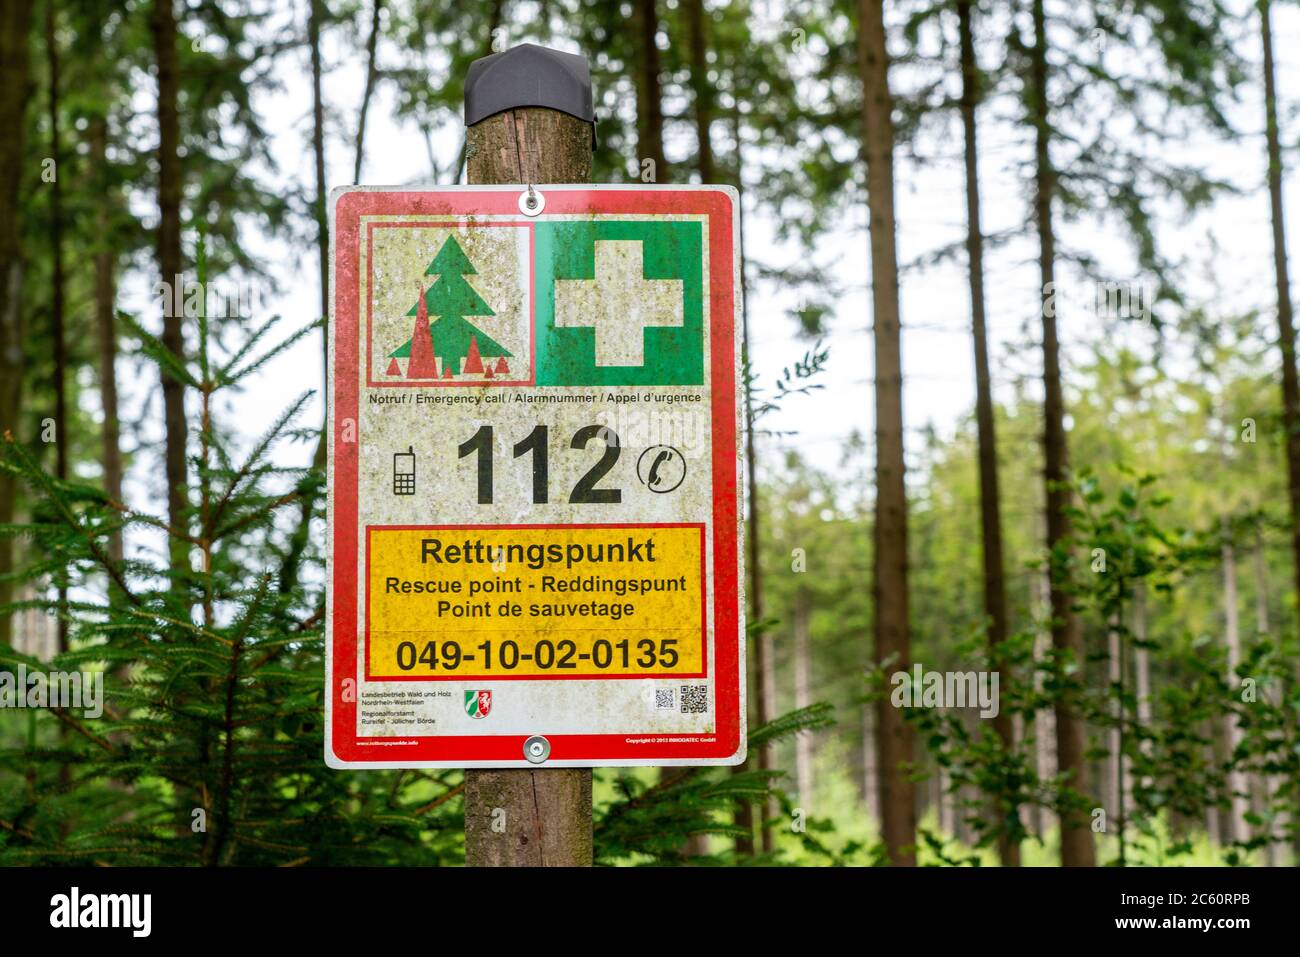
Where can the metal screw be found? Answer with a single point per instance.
(537, 749)
(531, 202)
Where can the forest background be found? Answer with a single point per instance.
(1021, 359)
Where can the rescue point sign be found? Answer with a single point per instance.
(534, 553)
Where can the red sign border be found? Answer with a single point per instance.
(344, 748)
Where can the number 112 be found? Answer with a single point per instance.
(536, 442)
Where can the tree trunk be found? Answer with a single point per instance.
(106, 336)
(765, 663)
(1067, 636)
(105, 262)
(1262, 626)
(966, 798)
(889, 586)
(314, 16)
(169, 263)
(1218, 822)
(701, 89)
(697, 844)
(495, 11)
(1118, 787)
(546, 816)
(744, 811)
(1285, 316)
(318, 154)
(15, 25)
(1142, 664)
(995, 594)
(744, 815)
(803, 755)
(58, 339)
(944, 807)
(870, 765)
(288, 578)
(1025, 813)
(547, 811)
(1273, 783)
(1044, 719)
(649, 98)
(371, 75)
(1114, 677)
(932, 796)
(1238, 783)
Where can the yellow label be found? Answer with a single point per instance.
(562, 601)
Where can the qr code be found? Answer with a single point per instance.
(664, 698)
(695, 699)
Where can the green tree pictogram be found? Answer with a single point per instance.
(450, 299)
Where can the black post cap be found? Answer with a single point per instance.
(529, 75)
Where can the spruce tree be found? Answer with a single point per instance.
(209, 748)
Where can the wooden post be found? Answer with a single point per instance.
(527, 818)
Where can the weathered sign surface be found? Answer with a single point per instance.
(533, 480)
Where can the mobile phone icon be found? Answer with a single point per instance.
(404, 472)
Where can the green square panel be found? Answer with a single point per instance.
(620, 302)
